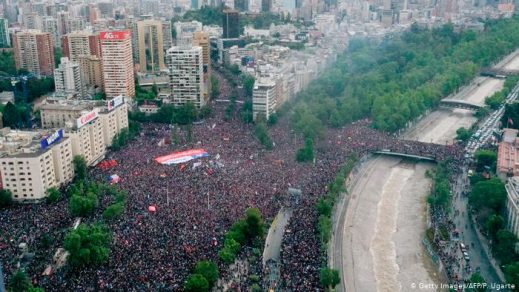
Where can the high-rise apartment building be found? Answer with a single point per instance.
(91, 71)
(34, 51)
(151, 45)
(186, 75)
(5, 38)
(67, 79)
(166, 32)
(33, 161)
(50, 25)
(231, 24)
(80, 43)
(264, 97)
(116, 52)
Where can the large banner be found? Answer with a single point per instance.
(180, 157)
(51, 139)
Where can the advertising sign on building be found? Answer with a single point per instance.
(54, 138)
(115, 35)
(115, 102)
(87, 118)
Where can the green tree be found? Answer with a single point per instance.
(324, 207)
(248, 84)
(477, 278)
(227, 256)
(83, 205)
(329, 278)
(209, 271)
(113, 211)
(324, 226)
(6, 198)
(11, 116)
(512, 273)
(197, 283)
(88, 245)
(255, 224)
(80, 167)
(186, 114)
(215, 87)
(504, 246)
(494, 224)
(53, 195)
(261, 132)
(19, 282)
(463, 134)
(485, 158)
(488, 194)
(306, 153)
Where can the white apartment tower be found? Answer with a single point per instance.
(67, 78)
(264, 97)
(186, 75)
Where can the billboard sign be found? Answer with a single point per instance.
(87, 118)
(180, 157)
(115, 35)
(115, 102)
(54, 138)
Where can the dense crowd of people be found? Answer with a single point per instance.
(196, 203)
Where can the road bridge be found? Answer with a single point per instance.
(498, 73)
(458, 103)
(405, 155)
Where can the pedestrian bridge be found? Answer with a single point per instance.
(457, 103)
(405, 155)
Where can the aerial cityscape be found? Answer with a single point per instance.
(259, 145)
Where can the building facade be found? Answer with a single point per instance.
(91, 72)
(67, 79)
(151, 46)
(32, 162)
(80, 43)
(5, 38)
(264, 97)
(117, 61)
(186, 75)
(90, 125)
(34, 51)
(231, 24)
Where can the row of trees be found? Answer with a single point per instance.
(487, 200)
(440, 196)
(495, 100)
(247, 231)
(396, 80)
(203, 278)
(329, 278)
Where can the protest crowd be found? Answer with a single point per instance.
(196, 202)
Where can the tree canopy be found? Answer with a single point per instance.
(397, 79)
(88, 245)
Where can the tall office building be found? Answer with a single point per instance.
(67, 79)
(80, 43)
(116, 52)
(5, 39)
(166, 32)
(63, 23)
(50, 25)
(231, 24)
(34, 51)
(186, 75)
(266, 5)
(201, 39)
(151, 45)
